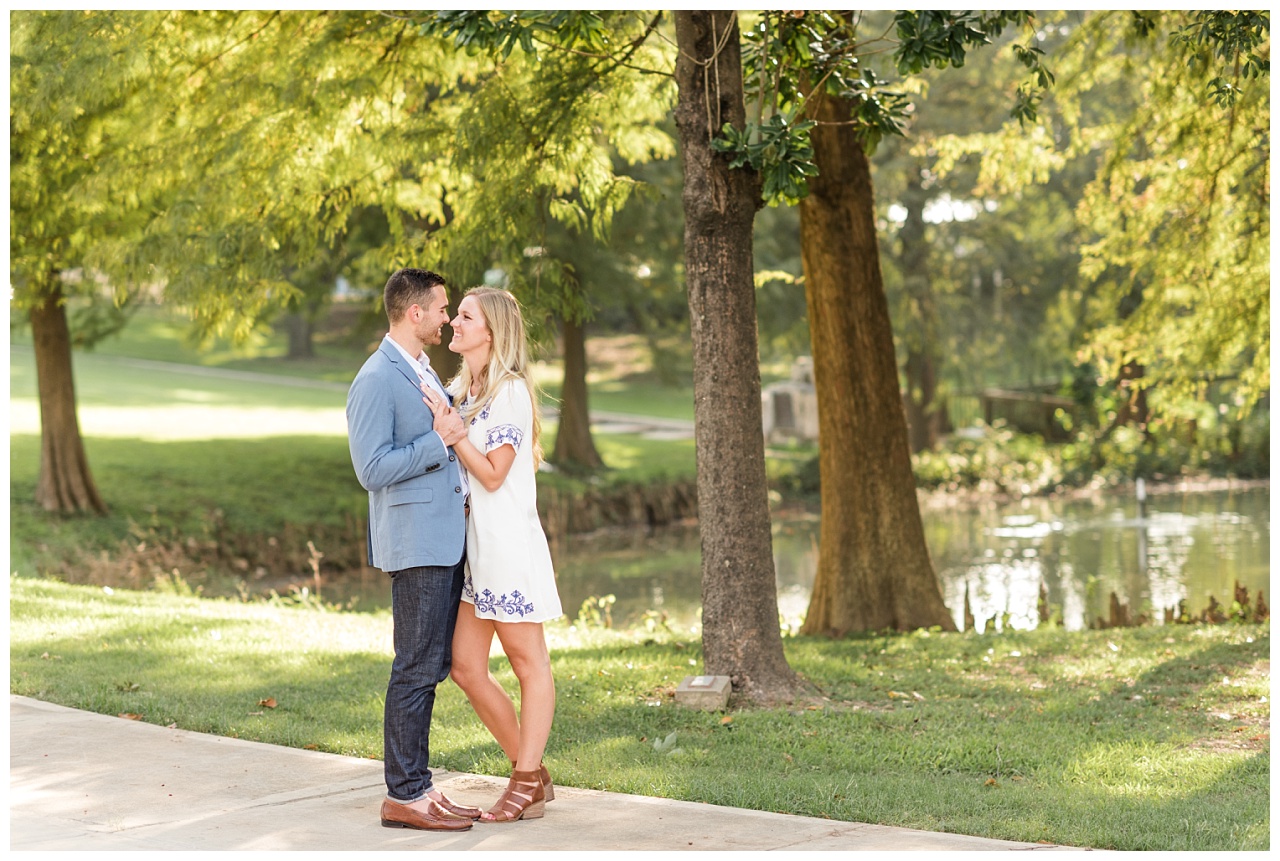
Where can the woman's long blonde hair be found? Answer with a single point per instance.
(508, 359)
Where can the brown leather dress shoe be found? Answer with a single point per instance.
(435, 819)
(457, 811)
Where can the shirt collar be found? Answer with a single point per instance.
(422, 363)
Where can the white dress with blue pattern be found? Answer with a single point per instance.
(509, 573)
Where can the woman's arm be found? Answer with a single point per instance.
(489, 469)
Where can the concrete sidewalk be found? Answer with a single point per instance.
(83, 781)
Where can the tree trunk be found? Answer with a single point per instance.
(874, 570)
(741, 637)
(299, 329)
(65, 483)
(923, 420)
(444, 361)
(575, 449)
(925, 417)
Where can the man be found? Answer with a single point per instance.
(416, 534)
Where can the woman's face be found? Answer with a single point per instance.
(470, 331)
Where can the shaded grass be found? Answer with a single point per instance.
(258, 500)
(1125, 739)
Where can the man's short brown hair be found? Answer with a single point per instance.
(408, 287)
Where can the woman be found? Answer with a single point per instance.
(510, 583)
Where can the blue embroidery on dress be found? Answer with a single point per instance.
(468, 591)
(515, 605)
(502, 435)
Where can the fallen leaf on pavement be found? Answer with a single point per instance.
(130, 716)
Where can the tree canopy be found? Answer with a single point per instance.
(1171, 111)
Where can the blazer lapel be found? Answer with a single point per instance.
(436, 377)
(393, 356)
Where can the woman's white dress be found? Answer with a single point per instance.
(509, 573)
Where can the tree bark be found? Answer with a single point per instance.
(874, 570)
(65, 483)
(741, 637)
(575, 449)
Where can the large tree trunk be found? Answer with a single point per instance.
(741, 637)
(874, 570)
(575, 449)
(65, 483)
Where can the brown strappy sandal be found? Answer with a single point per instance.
(522, 799)
(547, 787)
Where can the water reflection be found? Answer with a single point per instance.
(1183, 547)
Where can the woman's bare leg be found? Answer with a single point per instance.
(471, 641)
(526, 649)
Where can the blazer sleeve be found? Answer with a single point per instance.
(370, 423)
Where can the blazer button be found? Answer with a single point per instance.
(452, 458)
(457, 490)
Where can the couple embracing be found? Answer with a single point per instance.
(453, 520)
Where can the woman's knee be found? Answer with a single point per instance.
(468, 674)
(531, 664)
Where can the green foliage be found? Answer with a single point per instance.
(85, 124)
(1162, 260)
(206, 153)
(1186, 297)
(501, 31)
(1002, 461)
(950, 728)
(1232, 38)
(779, 150)
(942, 39)
(540, 141)
(792, 55)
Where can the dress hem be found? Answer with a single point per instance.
(559, 615)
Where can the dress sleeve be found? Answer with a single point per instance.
(510, 417)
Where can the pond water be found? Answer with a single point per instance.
(1187, 547)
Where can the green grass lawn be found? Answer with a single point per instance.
(1135, 739)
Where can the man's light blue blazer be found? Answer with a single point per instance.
(415, 495)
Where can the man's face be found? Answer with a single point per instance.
(433, 315)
